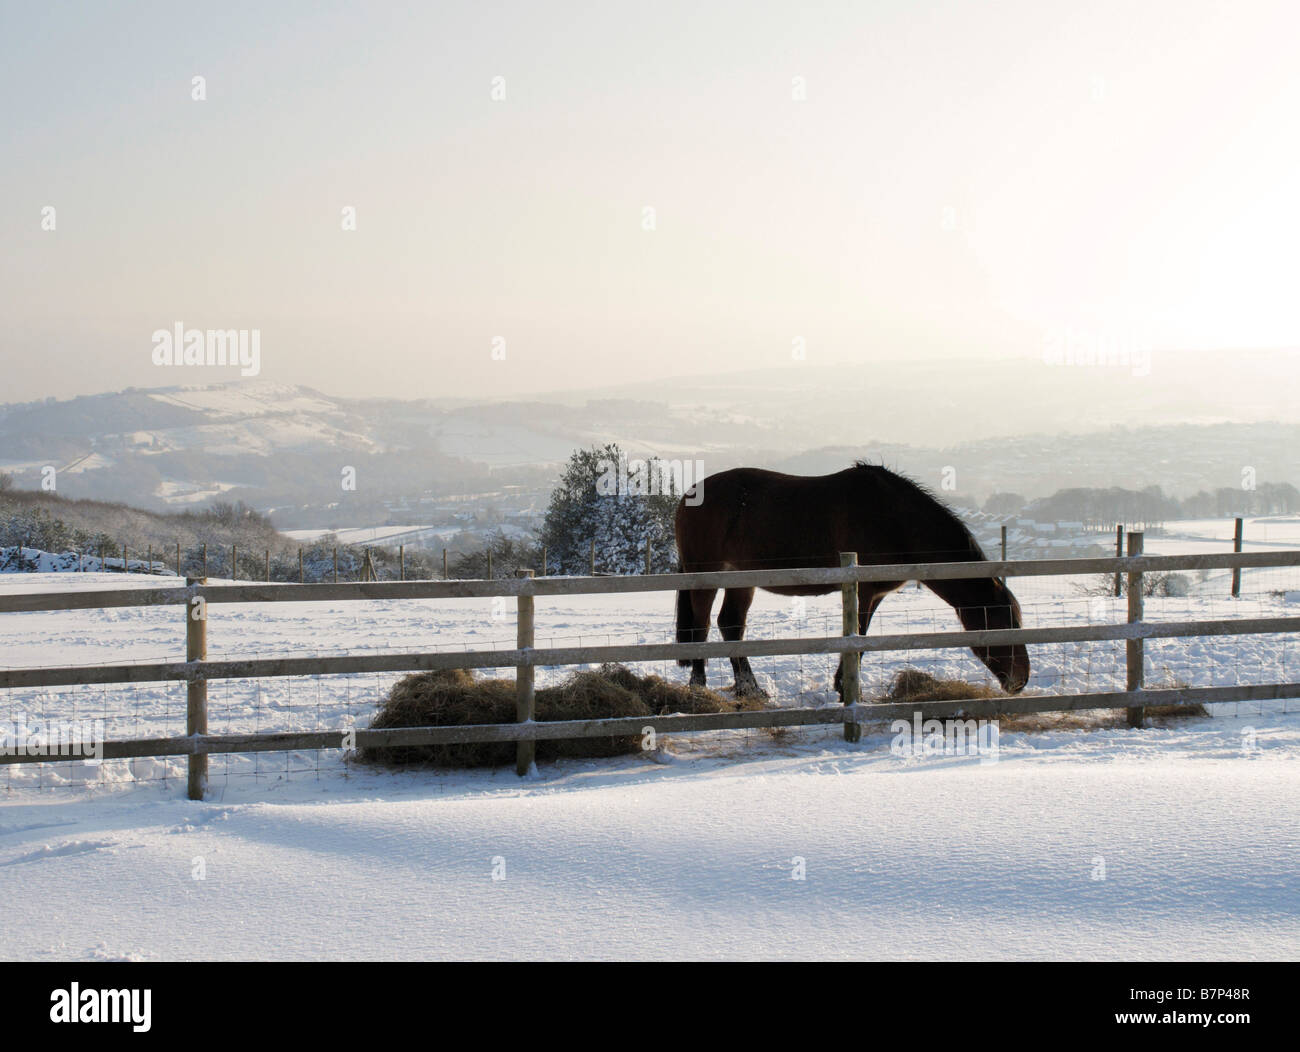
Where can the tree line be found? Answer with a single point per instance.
(1150, 505)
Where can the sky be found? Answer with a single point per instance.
(566, 195)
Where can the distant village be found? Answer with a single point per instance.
(1029, 539)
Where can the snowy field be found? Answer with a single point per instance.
(373, 534)
(1083, 840)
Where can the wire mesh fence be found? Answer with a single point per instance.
(336, 702)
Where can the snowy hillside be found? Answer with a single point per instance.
(282, 445)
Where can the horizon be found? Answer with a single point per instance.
(209, 377)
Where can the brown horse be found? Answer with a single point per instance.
(750, 519)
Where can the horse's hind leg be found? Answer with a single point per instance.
(731, 622)
(698, 607)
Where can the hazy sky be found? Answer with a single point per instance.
(960, 179)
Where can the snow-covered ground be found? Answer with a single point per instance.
(1214, 535)
(386, 534)
(1083, 840)
(1112, 845)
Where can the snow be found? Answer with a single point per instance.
(185, 493)
(90, 462)
(264, 436)
(1189, 536)
(379, 534)
(247, 398)
(912, 860)
(252, 417)
(36, 562)
(687, 853)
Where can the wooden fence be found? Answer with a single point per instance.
(196, 596)
(367, 570)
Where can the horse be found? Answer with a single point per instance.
(752, 519)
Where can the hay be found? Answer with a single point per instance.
(453, 697)
(665, 698)
(1162, 714)
(1175, 712)
(912, 684)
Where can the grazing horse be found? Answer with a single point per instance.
(750, 519)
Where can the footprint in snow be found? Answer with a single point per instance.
(72, 847)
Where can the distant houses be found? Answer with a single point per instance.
(1028, 538)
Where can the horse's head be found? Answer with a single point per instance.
(997, 608)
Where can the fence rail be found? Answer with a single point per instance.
(289, 592)
(532, 657)
(197, 595)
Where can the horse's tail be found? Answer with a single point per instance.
(685, 622)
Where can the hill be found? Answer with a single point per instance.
(289, 450)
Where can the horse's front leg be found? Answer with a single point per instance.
(698, 678)
(867, 603)
(731, 623)
(693, 609)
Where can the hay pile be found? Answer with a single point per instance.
(454, 697)
(912, 684)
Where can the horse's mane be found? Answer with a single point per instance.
(926, 494)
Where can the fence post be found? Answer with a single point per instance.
(268, 564)
(234, 562)
(1004, 542)
(543, 560)
(1119, 553)
(196, 694)
(1236, 570)
(1133, 647)
(593, 557)
(444, 565)
(204, 575)
(525, 751)
(849, 678)
(150, 570)
(401, 562)
(647, 556)
(336, 566)
(178, 558)
(302, 577)
(489, 570)
(126, 566)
